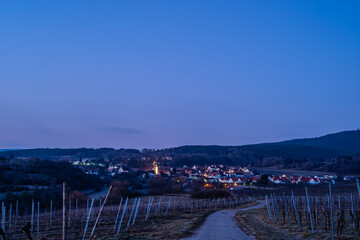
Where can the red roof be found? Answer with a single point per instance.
(213, 174)
(254, 179)
(305, 179)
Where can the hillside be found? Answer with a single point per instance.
(347, 142)
(56, 153)
(5, 150)
(330, 146)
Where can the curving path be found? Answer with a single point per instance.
(222, 225)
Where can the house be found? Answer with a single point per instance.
(275, 179)
(225, 180)
(121, 170)
(314, 181)
(93, 172)
(214, 175)
(294, 179)
(255, 179)
(284, 179)
(242, 179)
(239, 174)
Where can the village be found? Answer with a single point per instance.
(209, 176)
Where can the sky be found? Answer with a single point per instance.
(157, 74)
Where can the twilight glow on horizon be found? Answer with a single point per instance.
(155, 74)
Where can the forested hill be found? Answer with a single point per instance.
(56, 153)
(332, 145)
(347, 142)
(328, 146)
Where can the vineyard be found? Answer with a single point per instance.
(92, 219)
(321, 213)
(330, 214)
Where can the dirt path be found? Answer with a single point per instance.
(222, 225)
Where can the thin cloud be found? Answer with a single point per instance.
(123, 130)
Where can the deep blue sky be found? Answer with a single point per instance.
(167, 73)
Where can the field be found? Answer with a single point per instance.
(308, 212)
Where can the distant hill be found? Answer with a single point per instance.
(328, 146)
(4, 150)
(320, 148)
(347, 142)
(56, 153)
(339, 152)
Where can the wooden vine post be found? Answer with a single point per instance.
(64, 237)
(331, 211)
(118, 213)
(88, 218)
(101, 209)
(309, 210)
(286, 209)
(296, 213)
(122, 216)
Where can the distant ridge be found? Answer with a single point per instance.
(324, 147)
(327, 146)
(347, 142)
(55, 153)
(5, 150)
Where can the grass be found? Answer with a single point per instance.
(196, 223)
(174, 226)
